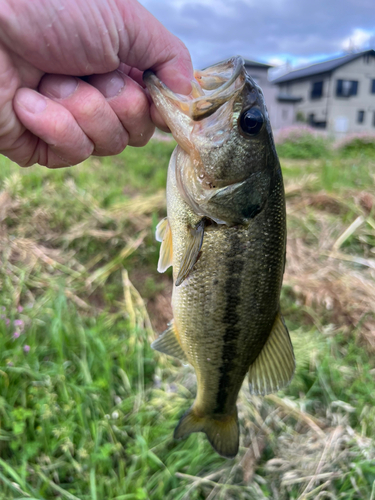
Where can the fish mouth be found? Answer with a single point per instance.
(211, 88)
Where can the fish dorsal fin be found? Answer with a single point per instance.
(274, 367)
(192, 250)
(168, 343)
(164, 234)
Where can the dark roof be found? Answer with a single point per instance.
(256, 64)
(323, 67)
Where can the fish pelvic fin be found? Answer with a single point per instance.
(168, 343)
(164, 234)
(275, 365)
(222, 431)
(192, 250)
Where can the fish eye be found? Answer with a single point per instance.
(251, 121)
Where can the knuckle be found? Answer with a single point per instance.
(141, 139)
(121, 144)
(92, 108)
(68, 141)
(116, 146)
(85, 151)
(57, 160)
(139, 109)
(60, 129)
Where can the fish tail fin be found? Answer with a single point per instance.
(222, 431)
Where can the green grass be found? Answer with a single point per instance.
(305, 148)
(333, 174)
(87, 409)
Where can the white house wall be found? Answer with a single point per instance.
(340, 113)
(308, 106)
(281, 114)
(348, 107)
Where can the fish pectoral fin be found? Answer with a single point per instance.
(168, 343)
(222, 432)
(164, 234)
(275, 365)
(192, 250)
(161, 229)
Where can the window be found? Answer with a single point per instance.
(284, 114)
(367, 58)
(373, 87)
(346, 88)
(315, 123)
(361, 116)
(317, 90)
(373, 118)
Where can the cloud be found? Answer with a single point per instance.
(358, 39)
(293, 30)
(276, 61)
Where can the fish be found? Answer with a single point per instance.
(225, 236)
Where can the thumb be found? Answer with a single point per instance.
(147, 44)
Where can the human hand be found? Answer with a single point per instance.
(50, 116)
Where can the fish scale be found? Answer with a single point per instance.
(225, 236)
(212, 322)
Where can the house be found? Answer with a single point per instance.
(336, 95)
(281, 106)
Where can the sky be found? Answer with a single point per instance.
(278, 32)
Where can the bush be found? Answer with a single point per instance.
(301, 142)
(359, 144)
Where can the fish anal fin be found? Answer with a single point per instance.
(168, 343)
(192, 251)
(222, 431)
(164, 234)
(274, 367)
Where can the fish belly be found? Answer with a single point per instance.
(224, 310)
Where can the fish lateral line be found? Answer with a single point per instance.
(225, 185)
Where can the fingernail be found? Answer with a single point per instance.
(61, 87)
(32, 102)
(109, 85)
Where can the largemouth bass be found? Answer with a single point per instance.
(224, 235)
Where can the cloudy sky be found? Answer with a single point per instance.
(274, 31)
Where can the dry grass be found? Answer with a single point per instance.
(330, 266)
(329, 291)
(32, 246)
(331, 273)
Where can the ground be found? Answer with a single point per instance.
(87, 409)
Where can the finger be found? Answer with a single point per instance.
(65, 142)
(129, 102)
(176, 70)
(90, 110)
(29, 149)
(154, 47)
(137, 76)
(134, 73)
(157, 119)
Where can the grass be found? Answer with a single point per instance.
(87, 409)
